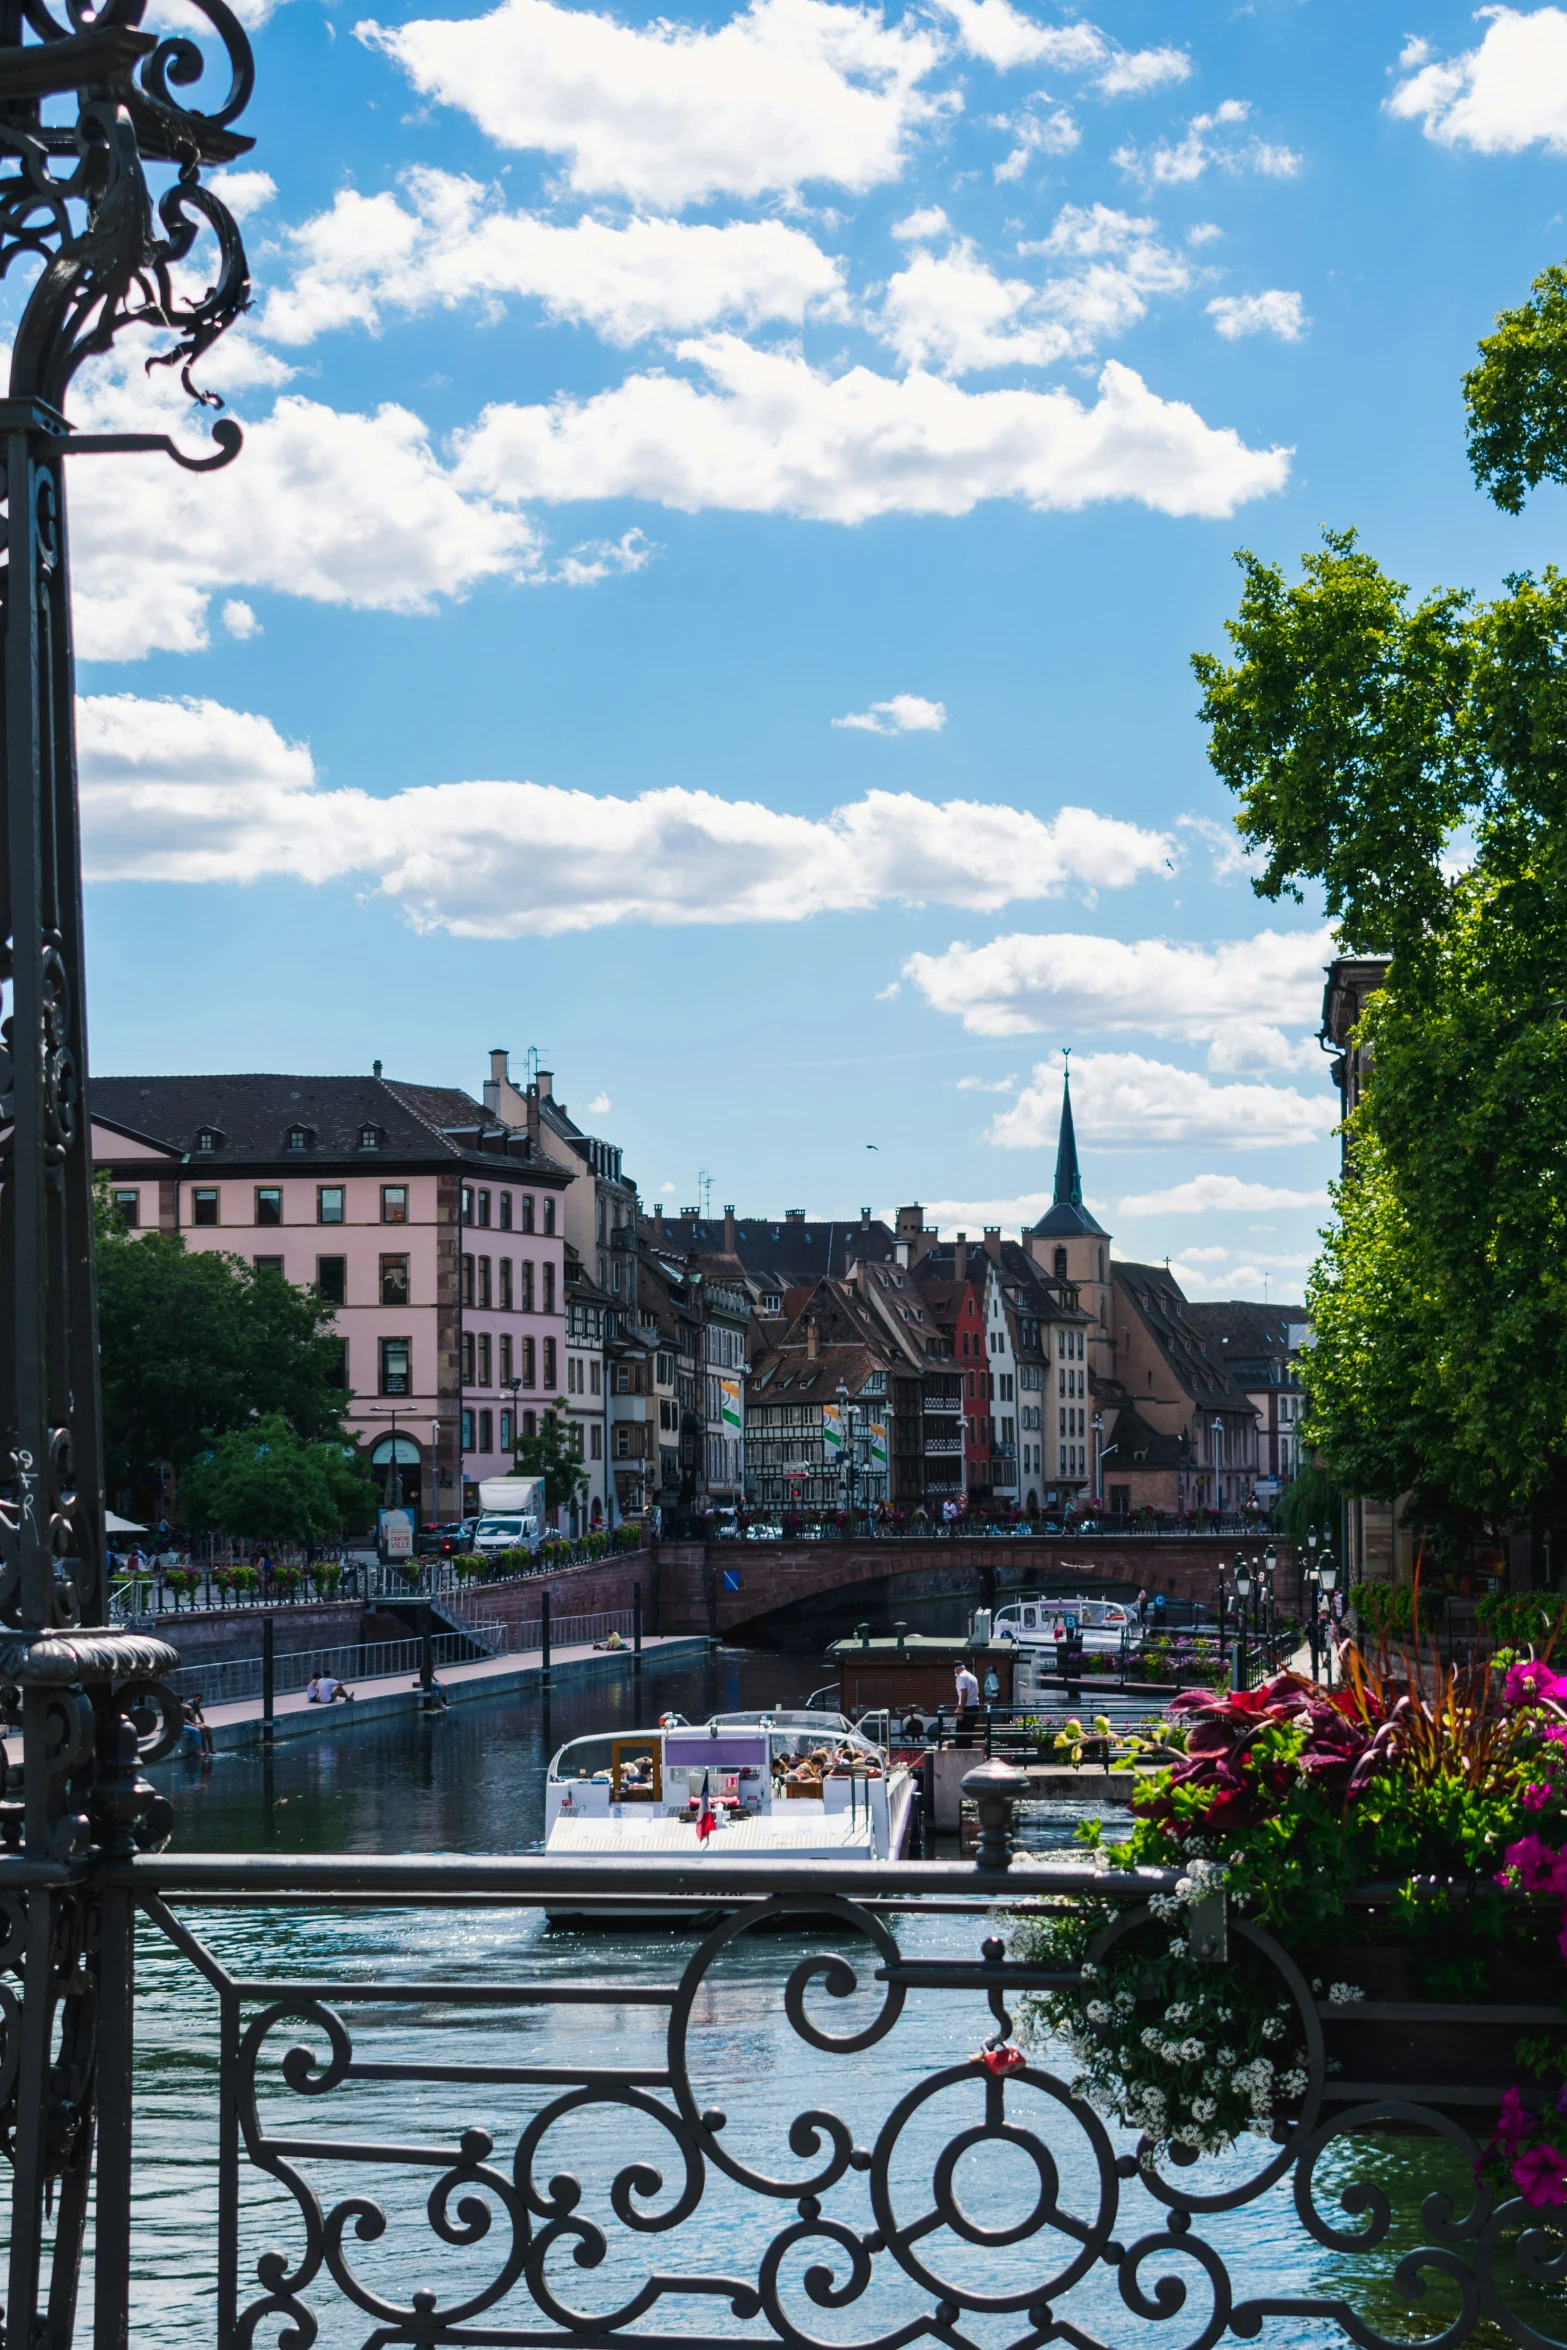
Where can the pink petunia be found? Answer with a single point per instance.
(1537, 1795)
(1537, 1868)
(1541, 2176)
(1533, 1684)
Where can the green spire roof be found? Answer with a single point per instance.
(1069, 1181)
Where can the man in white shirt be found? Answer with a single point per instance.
(968, 1687)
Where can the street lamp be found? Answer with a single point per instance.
(1242, 1572)
(1327, 1569)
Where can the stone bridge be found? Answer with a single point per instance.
(762, 1587)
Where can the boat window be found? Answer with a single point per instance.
(1030, 1616)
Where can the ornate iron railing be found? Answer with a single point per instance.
(565, 2166)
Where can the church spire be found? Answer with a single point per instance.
(1069, 1181)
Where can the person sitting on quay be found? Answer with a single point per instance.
(326, 1690)
(614, 1641)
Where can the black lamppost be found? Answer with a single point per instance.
(1243, 1594)
(86, 100)
(1327, 1570)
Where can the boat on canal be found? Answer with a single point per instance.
(783, 1785)
(1100, 1626)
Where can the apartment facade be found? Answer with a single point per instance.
(434, 1234)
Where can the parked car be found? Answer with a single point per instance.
(457, 1537)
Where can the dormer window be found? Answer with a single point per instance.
(206, 1138)
(298, 1138)
(369, 1138)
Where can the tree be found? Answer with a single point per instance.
(195, 1343)
(551, 1454)
(1411, 758)
(265, 1483)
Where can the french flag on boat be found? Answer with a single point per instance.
(706, 1818)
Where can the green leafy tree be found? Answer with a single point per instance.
(265, 1483)
(196, 1342)
(1408, 757)
(551, 1454)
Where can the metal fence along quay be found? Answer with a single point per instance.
(556, 2151)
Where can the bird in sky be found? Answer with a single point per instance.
(873, 1146)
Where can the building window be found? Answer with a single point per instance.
(484, 1379)
(506, 1285)
(369, 1138)
(530, 1423)
(269, 1205)
(549, 1289)
(506, 1442)
(549, 1362)
(329, 1203)
(506, 1359)
(206, 1139)
(127, 1206)
(484, 1280)
(203, 1207)
(467, 1431)
(332, 1279)
(484, 1208)
(505, 1212)
(467, 1281)
(468, 1378)
(596, 1441)
(467, 1203)
(396, 1366)
(486, 1431)
(394, 1203)
(297, 1138)
(525, 1275)
(337, 1373)
(527, 1362)
(594, 1368)
(394, 1281)
(270, 1265)
(527, 1211)
(549, 1213)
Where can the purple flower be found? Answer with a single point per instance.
(1533, 1684)
(1541, 2176)
(1536, 1867)
(1537, 1795)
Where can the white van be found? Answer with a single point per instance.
(509, 1533)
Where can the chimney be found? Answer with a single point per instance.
(813, 1340)
(993, 1243)
(865, 1218)
(729, 1230)
(375, 1068)
(658, 1222)
(960, 1257)
(546, 1083)
(500, 1074)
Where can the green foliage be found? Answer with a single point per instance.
(1517, 396)
(552, 1455)
(196, 1343)
(1523, 1620)
(265, 1483)
(1310, 1502)
(1391, 1614)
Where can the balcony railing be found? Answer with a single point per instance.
(935, 1445)
(383, 2108)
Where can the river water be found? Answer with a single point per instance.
(471, 1780)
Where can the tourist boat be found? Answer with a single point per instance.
(1102, 1624)
(785, 1785)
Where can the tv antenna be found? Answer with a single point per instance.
(704, 1185)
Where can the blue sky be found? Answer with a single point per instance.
(633, 400)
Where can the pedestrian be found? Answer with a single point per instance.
(434, 1691)
(193, 1713)
(1142, 1603)
(967, 1699)
(313, 1690)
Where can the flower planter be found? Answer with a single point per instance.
(1457, 2054)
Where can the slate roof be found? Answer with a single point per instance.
(252, 1114)
(786, 1245)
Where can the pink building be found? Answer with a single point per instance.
(436, 1233)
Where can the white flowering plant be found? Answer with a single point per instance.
(1190, 2053)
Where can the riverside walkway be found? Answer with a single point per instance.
(293, 1716)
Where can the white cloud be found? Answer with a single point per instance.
(191, 791)
(240, 620)
(919, 225)
(337, 508)
(1231, 858)
(1041, 129)
(1132, 72)
(1125, 1100)
(1509, 93)
(447, 241)
(1203, 232)
(974, 1216)
(770, 434)
(784, 92)
(1210, 143)
(1238, 998)
(600, 1107)
(244, 192)
(904, 714)
(1272, 313)
(598, 559)
(987, 1084)
(1225, 1194)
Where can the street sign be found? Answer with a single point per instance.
(731, 1578)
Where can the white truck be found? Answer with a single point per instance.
(511, 1513)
